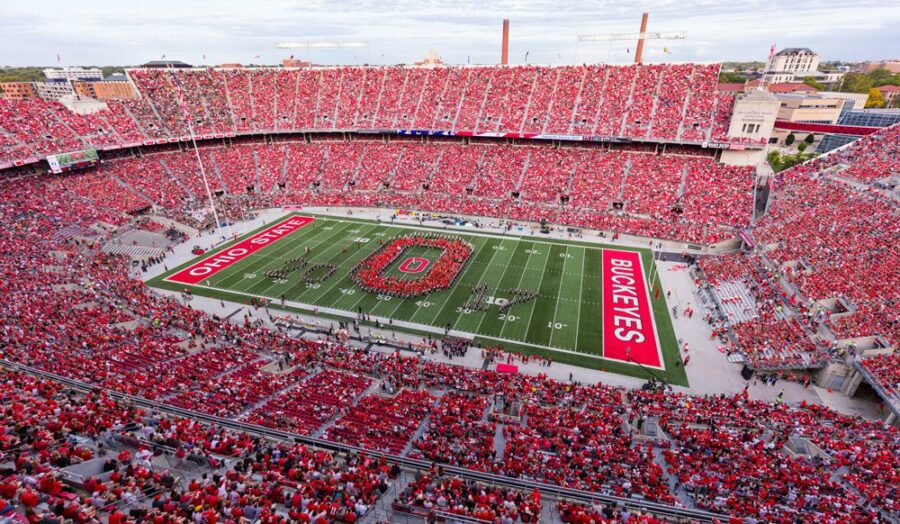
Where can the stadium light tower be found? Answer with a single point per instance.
(640, 37)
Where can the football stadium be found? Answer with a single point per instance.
(468, 293)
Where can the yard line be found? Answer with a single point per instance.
(462, 277)
(484, 316)
(264, 255)
(518, 285)
(446, 301)
(340, 266)
(299, 250)
(365, 294)
(485, 313)
(380, 230)
(331, 233)
(580, 296)
(538, 290)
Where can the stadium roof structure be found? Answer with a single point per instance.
(794, 50)
(166, 63)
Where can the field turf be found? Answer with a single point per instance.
(564, 321)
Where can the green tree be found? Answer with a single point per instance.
(789, 139)
(21, 74)
(802, 146)
(811, 82)
(731, 77)
(856, 83)
(875, 99)
(112, 70)
(774, 158)
(881, 77)
(781, 162)
(742, 66)
(810, 138)
(792, 160)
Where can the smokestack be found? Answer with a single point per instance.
(640, 43)
(504, 50)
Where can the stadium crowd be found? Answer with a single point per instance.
(431, 492)
(685, 198)
(663, 101)
(840, 274)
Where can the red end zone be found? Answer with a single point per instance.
(211, 265)
(629, 330)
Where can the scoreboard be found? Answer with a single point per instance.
(73, 160)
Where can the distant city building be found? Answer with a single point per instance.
(113, 88)
(814, 109)
(891, 65)
(69, 74)
(891, 94)
(809, 109)
(293, 62)
(731, 87)
(796, 60)
(828, 78)
(794, 64)
(854, 101)
(53, 90)
(431, 59)
(18, 90)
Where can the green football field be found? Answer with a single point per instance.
(564, 321)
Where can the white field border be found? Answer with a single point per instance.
(662, 362)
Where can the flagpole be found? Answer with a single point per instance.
(762, 81)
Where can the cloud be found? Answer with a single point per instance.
(102, 31)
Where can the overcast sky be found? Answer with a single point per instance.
(128, 32)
